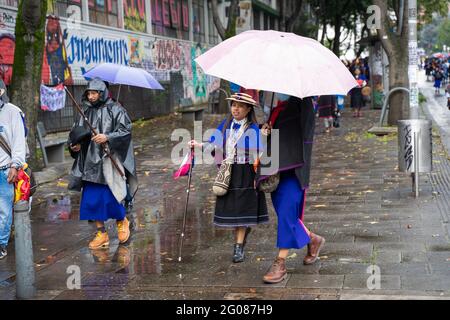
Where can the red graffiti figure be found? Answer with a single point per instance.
(7, 46)
(55, 67)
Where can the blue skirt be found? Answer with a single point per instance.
(288, 200)
(437, 83)
(98, 203)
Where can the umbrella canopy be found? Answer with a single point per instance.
(278, 62)
(438, 55)
(120, 74)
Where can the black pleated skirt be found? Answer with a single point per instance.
(242, 205)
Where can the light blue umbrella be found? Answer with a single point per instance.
(120, 74)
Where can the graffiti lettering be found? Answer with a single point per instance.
(97, 50)
(172, 13)
(165, 12)
(408, 149)
(6, 18)
(167, 55)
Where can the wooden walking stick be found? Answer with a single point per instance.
(104, 145)
(183, 230)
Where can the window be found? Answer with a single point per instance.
(134, 15)
(104, 12)
(170, 18)
(11, 3)
(213, 34)
(61, 8)
(256, 20)
(198, 20)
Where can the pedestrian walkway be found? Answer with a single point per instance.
(357, 200)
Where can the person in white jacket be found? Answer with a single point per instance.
(12, 130)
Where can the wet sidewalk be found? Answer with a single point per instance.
(357, 200)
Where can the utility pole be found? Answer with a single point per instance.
(413, 60)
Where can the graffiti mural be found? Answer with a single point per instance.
(7, 46)
(55, 68)
(70, 52)
(134, 15)
(167, 55)
(199, 79)
(135, 52)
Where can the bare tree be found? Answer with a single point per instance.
(27, 68)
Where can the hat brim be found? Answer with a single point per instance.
(253, 104)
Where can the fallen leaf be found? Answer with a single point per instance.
(292, 256)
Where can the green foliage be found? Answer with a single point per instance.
(428, 36)
(422, 98)
(443, 37)
(432, 6)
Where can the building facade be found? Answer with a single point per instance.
(161, 36)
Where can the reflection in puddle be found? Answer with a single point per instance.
(58, 208)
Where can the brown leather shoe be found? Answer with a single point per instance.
(123, 230)
(314, 247)
(277, 272)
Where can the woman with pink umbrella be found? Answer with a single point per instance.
(292, 65)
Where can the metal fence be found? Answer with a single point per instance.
(140, 104)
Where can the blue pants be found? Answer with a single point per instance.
(6, 207)
(288, 201)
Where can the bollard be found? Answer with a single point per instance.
(25, 276)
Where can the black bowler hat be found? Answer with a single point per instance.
(79, 134)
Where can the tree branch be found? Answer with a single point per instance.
(384, 35)
(293, 18)
(216, 19)
(232, 18)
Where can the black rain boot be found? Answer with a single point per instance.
(238, 255)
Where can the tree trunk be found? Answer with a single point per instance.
(27, 68)
(398, 77)
(229, 32)
(292, 20)
(324, 32)
(337, 36)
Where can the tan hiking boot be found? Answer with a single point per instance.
(277, 272)
(123, 230)
(101, 240)
(314, 247)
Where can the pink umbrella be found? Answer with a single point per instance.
(278, 62)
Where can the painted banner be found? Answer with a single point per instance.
(53, 99)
